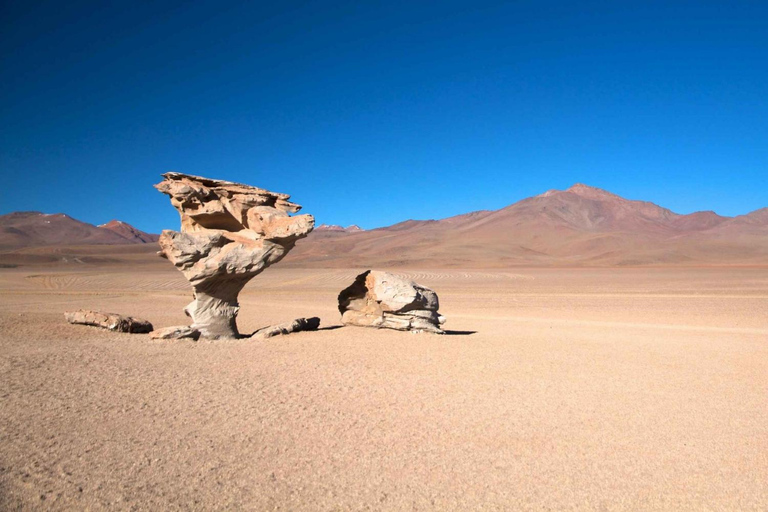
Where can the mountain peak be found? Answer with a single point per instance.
(28, 229)
(128, 232)
(590, 192)
(582, 190)
(339, 229)
(577, 187)
(112, 223)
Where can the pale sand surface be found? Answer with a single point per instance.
(579, 389)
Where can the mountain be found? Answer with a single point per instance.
(129, 232)
(28, 229)
(335, 228)
(579, 226)
(582, 225)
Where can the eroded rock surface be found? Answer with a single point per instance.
(175, 332)
(229, 233)
(111, 321)
(384, 300)
(300, 324)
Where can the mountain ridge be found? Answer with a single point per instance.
(581, 225)
(36, 229)
(129, 232)
(352, 228)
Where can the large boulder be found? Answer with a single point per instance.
(385, 300)
(230, 233)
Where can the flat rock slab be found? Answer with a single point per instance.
(110, 321)
(176, 332)
(300, 324)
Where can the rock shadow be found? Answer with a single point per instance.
(330, 328)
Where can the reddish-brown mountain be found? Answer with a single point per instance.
(28, 229)
(339, 229)
(579, 226)
(129, 232)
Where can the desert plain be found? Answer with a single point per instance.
(555, 388)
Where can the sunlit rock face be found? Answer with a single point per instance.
(229, 233)
(384, 300)
(111, 321)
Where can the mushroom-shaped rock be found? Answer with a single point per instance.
(230, 233)
(385, 300)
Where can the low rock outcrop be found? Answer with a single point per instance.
(385, 300)
(111, 321)
(176, 332)
(300, 324)
(229, 234)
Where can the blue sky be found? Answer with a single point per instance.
(375, 112)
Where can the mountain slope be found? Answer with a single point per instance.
(339, 229)
(28, 229)
(129, 232)
(579, 226)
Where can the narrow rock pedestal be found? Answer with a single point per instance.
(229, 234)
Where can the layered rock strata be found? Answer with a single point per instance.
(110, 321)
(230, 233)
(385, 300)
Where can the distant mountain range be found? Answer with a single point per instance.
(30, 229)
(579, 226)
(335, 228)
(582, 225)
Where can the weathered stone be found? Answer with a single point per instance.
(111, 321)
(229, 234)
(383, 300)
(300, 324)
(175, 333)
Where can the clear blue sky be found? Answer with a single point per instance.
(375, 112)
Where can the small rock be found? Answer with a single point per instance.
(175, 333)
(300, 324)
(111, 321)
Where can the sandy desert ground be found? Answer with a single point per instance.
(556, 389)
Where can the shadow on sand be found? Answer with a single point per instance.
(447, 333)
(329, 328)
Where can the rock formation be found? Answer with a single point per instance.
(229, 233)
(176, 332)
(111, 321)
(300, 324)
(384, 300)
